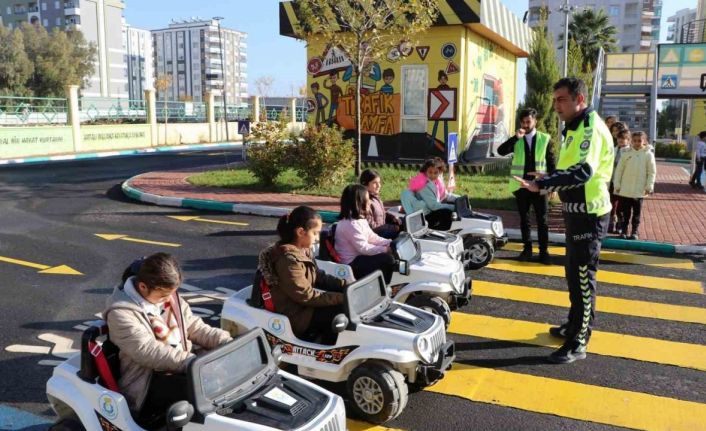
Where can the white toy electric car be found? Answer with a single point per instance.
(482, 233)
(381, 346)
(237, 386)
(431, 281)
(435, 241)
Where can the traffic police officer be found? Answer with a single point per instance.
(583, 171)
(532, 153)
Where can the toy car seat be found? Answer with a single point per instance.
(260, 297)
(100, 362)
(463, 207)
(327, 251)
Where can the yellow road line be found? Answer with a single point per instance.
(113, 237)
(604, 304)
(207, 220)
(43, 269)
(615, 256)
(622, 278)
(354, 425)
(571, 400)
(23, 263)
(602, 343)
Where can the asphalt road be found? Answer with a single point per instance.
(50, 215)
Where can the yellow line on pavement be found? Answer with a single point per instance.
(571, 400)
(605, 304)
(622, 278)
(113, 237)
(43, 269)
(23, 263)
(207, 220)
(615, 256)
(354, 425)
(602, 343)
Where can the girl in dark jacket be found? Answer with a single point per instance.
(306, 295)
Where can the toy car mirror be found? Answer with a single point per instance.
(277, 354)
(179, 415)
(403, 267)
(340, 323)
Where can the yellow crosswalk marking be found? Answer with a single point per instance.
(354, 425)
(614, 256)
(602, 343)
(677, 313)
(571, 400)
(625, 279)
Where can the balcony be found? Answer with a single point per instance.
(32, 9)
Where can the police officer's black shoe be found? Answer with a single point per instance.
(571, 351)
(559, 331)
(544, 258)
(526, 253)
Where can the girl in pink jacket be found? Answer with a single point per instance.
(355, 242)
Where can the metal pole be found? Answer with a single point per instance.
(223, 73)
(681, 122)
(653, 97)
(566, 9)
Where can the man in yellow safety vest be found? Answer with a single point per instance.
(532, 153)
(582, 175)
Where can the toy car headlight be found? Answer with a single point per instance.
(497, 228)
(451, 250)
(423, 348)
(456, 279)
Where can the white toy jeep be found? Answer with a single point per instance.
(237, 386)
(482, 233)
(431, 281)
(381, 346)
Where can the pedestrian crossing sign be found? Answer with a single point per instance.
(243, 128)
(452, 148)
(669, 81)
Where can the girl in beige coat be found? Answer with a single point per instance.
(154, 329)
(633, 180)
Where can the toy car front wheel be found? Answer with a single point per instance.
(432, 304)
(377, 392)
(481, 252)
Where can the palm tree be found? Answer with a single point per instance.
(592, 30)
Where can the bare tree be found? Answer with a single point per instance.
(264, 86)
(162, 84)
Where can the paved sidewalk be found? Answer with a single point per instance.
(674, 214)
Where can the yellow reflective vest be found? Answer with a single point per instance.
(585, 166)
(518, 158)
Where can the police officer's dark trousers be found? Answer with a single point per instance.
(540, 202)
(584, 233)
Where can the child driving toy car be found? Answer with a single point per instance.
(355, 242)
(429, 187)
(384, 224)
(306, 295)
(154, 329)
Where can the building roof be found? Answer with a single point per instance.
(490, 18)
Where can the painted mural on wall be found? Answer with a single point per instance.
(490, 125)
(411, 101)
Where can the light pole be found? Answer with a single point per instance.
(567, 10)
(223, 74)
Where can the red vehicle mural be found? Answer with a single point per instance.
(490, 129)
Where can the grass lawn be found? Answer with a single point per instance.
(487, 191)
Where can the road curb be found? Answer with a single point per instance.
(211, 205)
(623, 244)
(332, 216)
(133, 152)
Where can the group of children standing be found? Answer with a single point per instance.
(634, 172)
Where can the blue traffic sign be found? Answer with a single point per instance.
(452, 148)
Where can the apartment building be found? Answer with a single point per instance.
(100, 21)
(191, 52)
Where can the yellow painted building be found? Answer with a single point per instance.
(461, 77)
